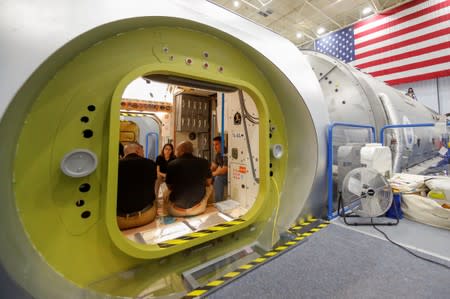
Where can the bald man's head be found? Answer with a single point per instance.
(184, 147)
(134, 148)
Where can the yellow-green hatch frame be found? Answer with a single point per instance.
(83, 242)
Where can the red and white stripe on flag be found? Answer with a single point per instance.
(406, 44)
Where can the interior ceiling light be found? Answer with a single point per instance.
(236, 3)
(299, 35)
(367, 10)
(264, 3)
(320, 30)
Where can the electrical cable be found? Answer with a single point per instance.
(252, 121)
(249, 148)
(246, 114)
(407, 250)
(251, 118)
(275, 219)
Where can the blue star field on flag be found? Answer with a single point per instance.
(339, 44)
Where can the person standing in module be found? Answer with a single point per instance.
(136, 188)
(219, 170)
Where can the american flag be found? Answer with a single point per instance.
(405, 44)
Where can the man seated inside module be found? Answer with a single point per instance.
(136, 188)
(188, 180)
(219, 170)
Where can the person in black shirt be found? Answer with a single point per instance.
(167, 155)
(189, 182)
(136, 188)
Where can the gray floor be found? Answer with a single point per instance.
(423, 238)
(9, 288)
(338, 262)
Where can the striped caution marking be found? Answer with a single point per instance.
(304, 224)
(300, 236)
(201, 233)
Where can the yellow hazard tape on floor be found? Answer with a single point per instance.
(301, 235)
(197, 293)
(272, 253)
(199, 234)
(215, 283)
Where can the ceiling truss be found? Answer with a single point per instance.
(299, 20)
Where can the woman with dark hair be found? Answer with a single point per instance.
(167, 155)
(411, 93)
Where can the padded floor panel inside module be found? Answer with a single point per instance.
(165, 228)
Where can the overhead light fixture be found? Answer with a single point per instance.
(264, 3)
(320, 30)
(236, 3)
(299, 35)
(367, 10)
